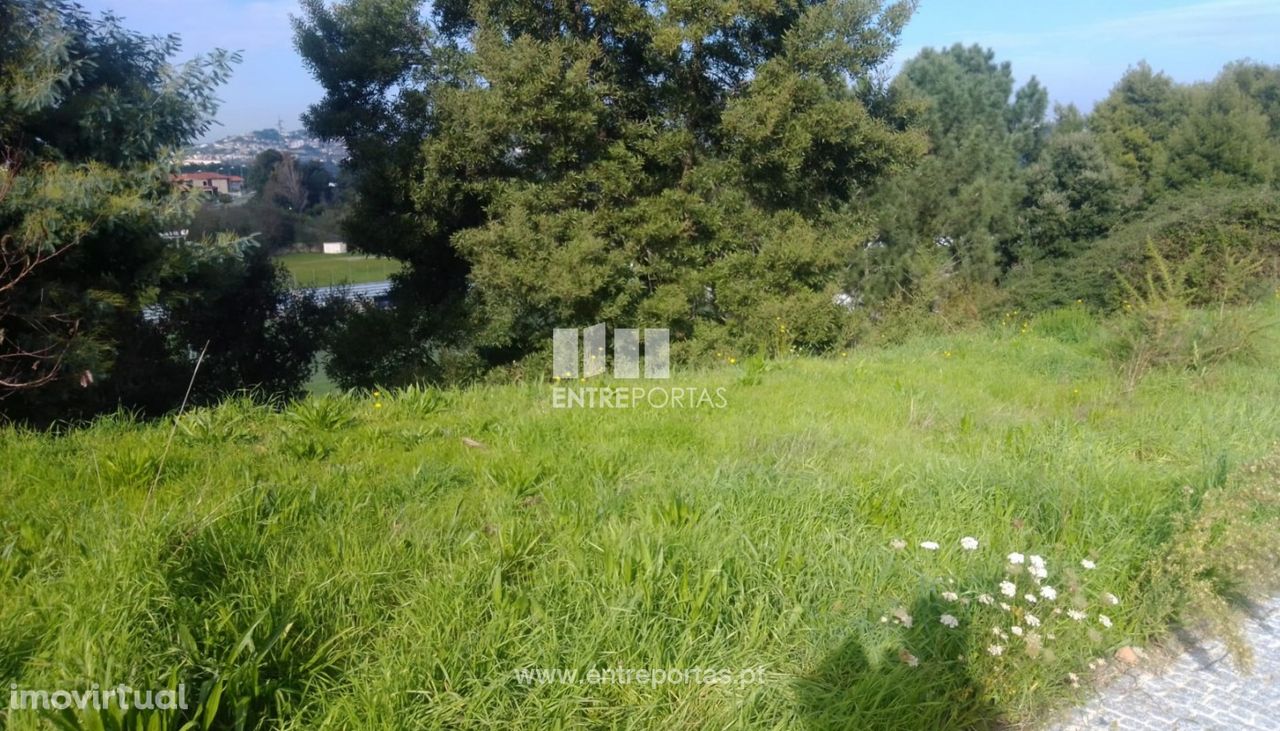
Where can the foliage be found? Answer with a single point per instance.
(261, 169)
(1073, 195)
(963, 198)
(570, 163)
(1161, 330)
(1163, 135)
(1225, 138)
(114, 312)
(1134, 125)
(1224, 243)
(88, 112)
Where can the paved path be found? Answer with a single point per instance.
(1200, 689)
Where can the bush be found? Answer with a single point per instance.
(1224, 245)
(1160, 328)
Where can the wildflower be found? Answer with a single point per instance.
(1088, 564)
(1075, 680)
(1016, 630)
(929, 545)
(969, 543)
(883, 618)
(732, 361)
(908, 658)
(1006, 607)
(1104, 620)
(1034, 645)
(1037, 561)
(1032, 620)
(1048, 592)
(949, 621)
(1110, 598)
(1038, 572)
(901, 615)
(1016, 558)
(1031, 598)
(898, 544)
(377, 405)
(985, 599)
(950, 596)
(995, 650)
(1007, 588)
(1075, 614)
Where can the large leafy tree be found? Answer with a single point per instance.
(1134, 124)
(1073, 192)
(545, 164)
(91, 291)
(963, 199)
(1225, 137)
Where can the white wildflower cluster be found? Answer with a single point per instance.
(1025, 587)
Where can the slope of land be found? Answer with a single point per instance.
(796, 559)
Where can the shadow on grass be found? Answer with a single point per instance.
(848, 690)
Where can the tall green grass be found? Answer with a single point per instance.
(391, 560)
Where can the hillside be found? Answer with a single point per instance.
(437, 559)
(241, 149)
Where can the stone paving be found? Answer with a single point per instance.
(1197, 690)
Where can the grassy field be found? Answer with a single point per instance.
(324, 270)
(417, 559)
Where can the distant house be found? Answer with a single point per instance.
(217, 183)
(334, 247)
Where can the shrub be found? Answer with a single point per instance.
(1224, 245)
(1161, 329)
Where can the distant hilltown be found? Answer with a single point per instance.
(241, 149)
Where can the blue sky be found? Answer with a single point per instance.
(1077, 49)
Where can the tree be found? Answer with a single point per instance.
(1134, 124)
(554, 164)
(962, 200)
(91, 115)
(1224, 137)
(260, 170)
(1073, 192)
(286, 186)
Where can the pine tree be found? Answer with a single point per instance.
(543, 164)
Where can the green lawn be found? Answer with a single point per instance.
(398, 560)
(323, 270)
